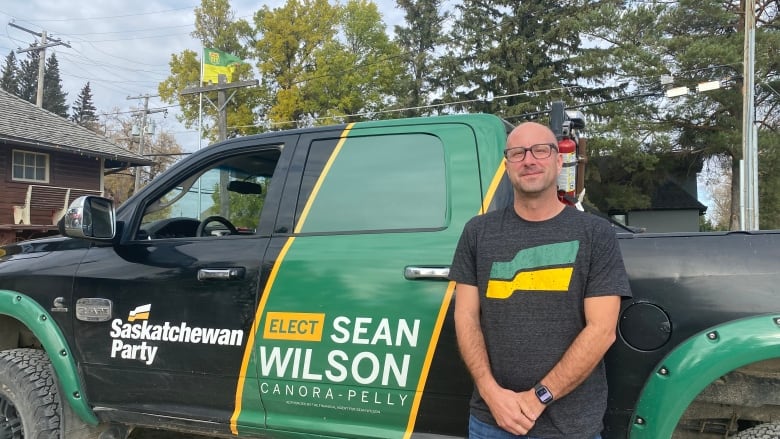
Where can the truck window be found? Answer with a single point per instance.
(226, 198)
(385, 182)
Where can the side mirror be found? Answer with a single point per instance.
(90, 217)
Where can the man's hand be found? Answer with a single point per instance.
(515, 412)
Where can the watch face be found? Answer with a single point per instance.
(543, 394)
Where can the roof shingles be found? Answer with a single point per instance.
(22, 123)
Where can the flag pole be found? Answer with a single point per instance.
(200, 123)
(200, 100)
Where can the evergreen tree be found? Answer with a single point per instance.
(692, 42)
(53, 95)
(523, 52)
(84, 111)
(769, 180)
(27, 77)
(9, 82)
(418, 39)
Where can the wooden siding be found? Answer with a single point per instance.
(65, 170)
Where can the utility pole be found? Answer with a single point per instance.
(220, 87)
(41, 56)
(749, 165)
(146, 111)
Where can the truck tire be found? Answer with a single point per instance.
(770, 430)
(29, 402)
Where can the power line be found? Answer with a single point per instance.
(151, 29)
(40, 47)
(149, 37)
(419, 107)
(108, 17)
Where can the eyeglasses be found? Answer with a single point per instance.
(539, 151)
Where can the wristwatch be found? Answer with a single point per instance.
(543, 393)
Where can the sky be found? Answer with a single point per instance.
(122, 48)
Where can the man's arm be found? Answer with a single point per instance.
(503, 403)
(577, 363)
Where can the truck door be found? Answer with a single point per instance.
(181, 290)
(349, 321)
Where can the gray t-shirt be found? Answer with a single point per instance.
(532, 279)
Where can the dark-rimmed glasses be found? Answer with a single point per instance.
(540, 151)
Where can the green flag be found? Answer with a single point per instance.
(216, 62)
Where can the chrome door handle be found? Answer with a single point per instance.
(221, 273)
(412, 272)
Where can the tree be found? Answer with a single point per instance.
(522, 52)
(84, 111)
(27, 80)
(719, 184)
(9, 81)
(308, 73)
(769, 180)
(27, 76)
(289, 38)
(217, 28)
(244, 208)
(693, 42)
(53, 95)
(719, 187)
(164, 150)
(356, 75)
(419, 39)
(161, 147)
(322, 63)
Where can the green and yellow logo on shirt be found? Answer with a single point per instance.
(545, 268)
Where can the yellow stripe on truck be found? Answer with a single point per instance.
(270, 283)
(324, 173)
(443, 314)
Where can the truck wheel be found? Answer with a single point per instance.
(29, 403)
(770, 430)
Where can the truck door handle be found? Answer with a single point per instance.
(412, 272)
(221, 273)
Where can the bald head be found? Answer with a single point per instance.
(529, 133)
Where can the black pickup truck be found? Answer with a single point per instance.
(294, 284)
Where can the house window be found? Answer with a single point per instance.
(30, 166)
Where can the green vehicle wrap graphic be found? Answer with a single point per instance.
(342, 342)
(35, 318)
(696, 363)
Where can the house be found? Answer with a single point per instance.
(672, 209)
(671, 187)
(46, 162)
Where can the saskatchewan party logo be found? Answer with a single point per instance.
(138, 339)
(547, 268)
(140, 313)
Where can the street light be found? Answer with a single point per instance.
(700, 87)
(676, 91)
(748, 165)
(708, 86)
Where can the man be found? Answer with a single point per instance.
(537, 301)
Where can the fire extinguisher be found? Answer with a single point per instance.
(567, 179)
